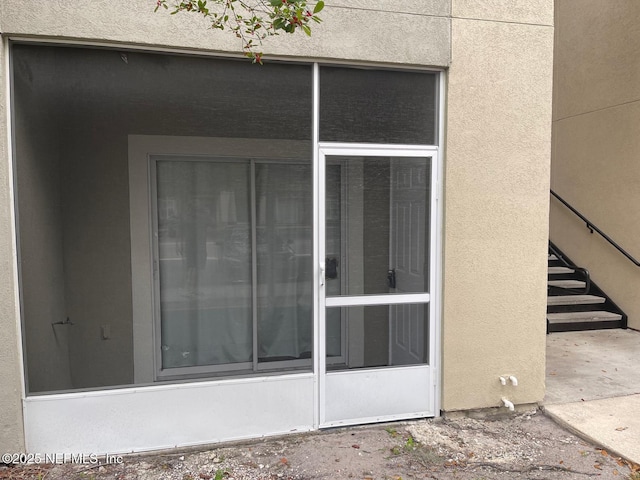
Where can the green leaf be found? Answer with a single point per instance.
(276, 3)
(307, 30)
(319, 7)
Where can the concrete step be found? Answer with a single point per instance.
(552, 257)
(582, 317)
(557, 270)
(566, 283)
(574, 300)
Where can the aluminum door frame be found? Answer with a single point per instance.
(422, 380)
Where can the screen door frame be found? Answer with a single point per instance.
(367, 395)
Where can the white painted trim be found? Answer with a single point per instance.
(152, 217)
(385, 299)
(142, 277)
(437, 291)
(376, 150)
(319, 261)
(319, 366)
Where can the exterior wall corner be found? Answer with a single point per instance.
(496, 212)
(11, 424)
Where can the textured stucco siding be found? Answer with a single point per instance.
(11, 431)
(596, 142)
(496, 204)
(366, 30)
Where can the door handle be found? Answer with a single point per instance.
(321, 274)
(332, 268)
(391, 278)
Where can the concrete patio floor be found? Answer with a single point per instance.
(593, 387)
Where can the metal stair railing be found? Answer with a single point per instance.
(593, 228)
(566, 263)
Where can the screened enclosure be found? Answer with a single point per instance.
(197, 256)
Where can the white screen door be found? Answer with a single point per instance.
(376, 256)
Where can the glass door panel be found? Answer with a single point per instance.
(376, 243)
(284, 268)
(204, 262)
(379, 335)
(377, 217)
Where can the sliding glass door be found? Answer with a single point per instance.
(233, 244)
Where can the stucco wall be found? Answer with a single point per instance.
(365, 30)
(11, 431)
(596, 142)
(496, 202)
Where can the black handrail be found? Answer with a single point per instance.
(592, 227)
(566, 263)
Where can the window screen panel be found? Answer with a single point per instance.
(377, 106)
(75, 111)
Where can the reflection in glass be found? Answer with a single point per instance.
(382, 335)
(377, 217)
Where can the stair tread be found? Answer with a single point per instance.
(552, 257)
(574, 299)
(566, 283)
(593, 316)
(556, 270)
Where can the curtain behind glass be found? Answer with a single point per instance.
(204, 248)
(284, 237)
